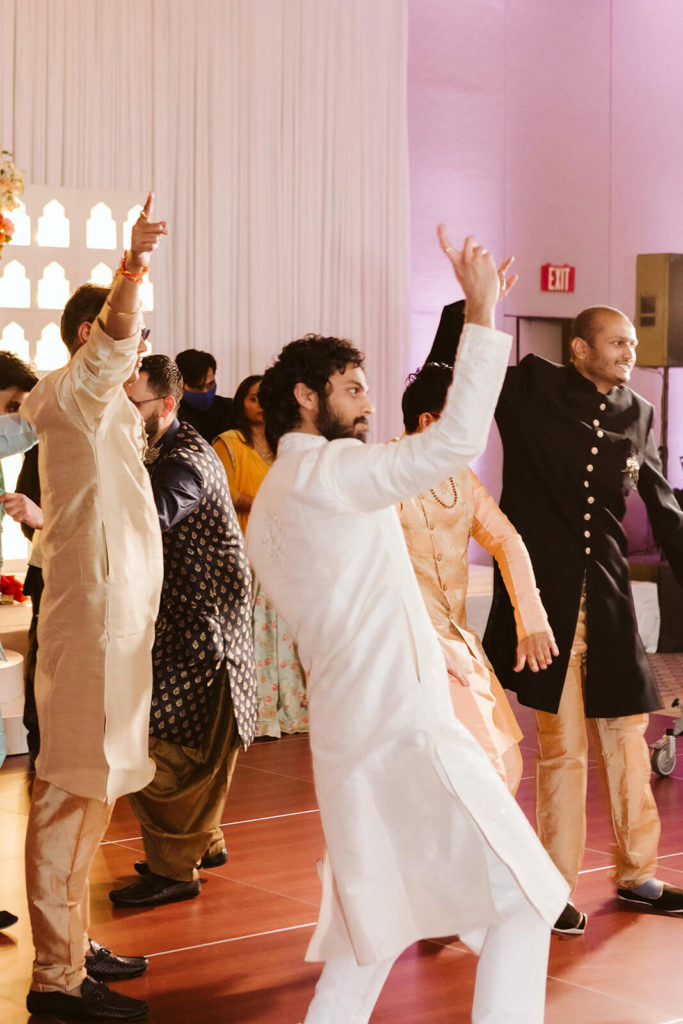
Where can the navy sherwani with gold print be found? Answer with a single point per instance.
(205, 612)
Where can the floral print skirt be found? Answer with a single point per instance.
(283, 702)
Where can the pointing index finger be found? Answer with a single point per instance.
(443, 239)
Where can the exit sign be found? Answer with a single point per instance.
(557, 279)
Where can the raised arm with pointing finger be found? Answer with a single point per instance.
(102, 565)
(417, 824)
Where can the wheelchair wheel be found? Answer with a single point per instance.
(663, 760)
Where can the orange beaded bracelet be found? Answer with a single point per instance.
(139, 278)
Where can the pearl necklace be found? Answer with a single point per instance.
(443, 503)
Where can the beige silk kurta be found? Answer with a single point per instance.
(407, 797)
(437, 526)
(102, 564)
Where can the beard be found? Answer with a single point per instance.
(333, 426)
(152, 425)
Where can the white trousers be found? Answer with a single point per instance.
(511, 974)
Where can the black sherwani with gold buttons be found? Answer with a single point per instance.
(204, 699)
(571, 457)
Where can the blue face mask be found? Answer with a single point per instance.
(201, 400)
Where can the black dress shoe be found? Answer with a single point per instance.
(209, 860)
(570, 922)
(669, 901)
(96, 1001)
(7, 919)
(153, 890)
(103, 965)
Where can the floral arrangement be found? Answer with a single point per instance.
(11, 191)
(6, 230)
(11, 590)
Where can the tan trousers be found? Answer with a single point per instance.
(62, 837)
(180, 810)
(623, 764)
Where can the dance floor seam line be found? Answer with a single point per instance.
(234, 938)
(607, 993)
(276, 774)
(122, 840)
(608, 867)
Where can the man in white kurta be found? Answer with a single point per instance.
(102, 565)
(422, 836)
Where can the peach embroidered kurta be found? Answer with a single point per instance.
(437, 526)
(102, 565)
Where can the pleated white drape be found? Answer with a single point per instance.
(274, 135)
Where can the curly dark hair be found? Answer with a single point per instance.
(426, 391)
(311, 361)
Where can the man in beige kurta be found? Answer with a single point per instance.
(103, 569)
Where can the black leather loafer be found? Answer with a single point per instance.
(96, 1002)
(213, 860)
(153, 890)
(103, 965)
(7, 919)
(669, 901)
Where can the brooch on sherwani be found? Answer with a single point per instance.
(151, 455)
(632, 468)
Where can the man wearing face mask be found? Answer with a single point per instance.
(210, 414)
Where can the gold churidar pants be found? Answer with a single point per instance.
(62, 837)
(623, 765)
(180, 810)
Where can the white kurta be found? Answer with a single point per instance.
(102, 564)
(406, 795)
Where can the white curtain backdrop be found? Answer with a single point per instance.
(273, 133)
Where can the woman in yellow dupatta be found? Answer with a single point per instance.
(247, 456)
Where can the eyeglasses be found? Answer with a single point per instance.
(145, 333)
(144, 401)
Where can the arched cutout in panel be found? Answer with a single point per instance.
(22, 226)
(53, 287)
(14, 544)
(51, 351)
(147, 295)
(101, 274)
(14, 340)
(15, 287)
(53, 226)
(100, 229)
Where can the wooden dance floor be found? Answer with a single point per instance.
(235, 953)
